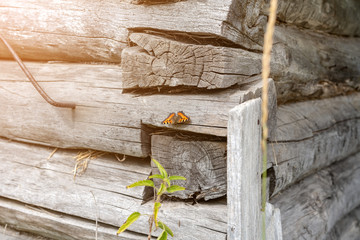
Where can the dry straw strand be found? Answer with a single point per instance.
(268, 41)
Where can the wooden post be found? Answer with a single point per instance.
(244, 171)
(244, 177)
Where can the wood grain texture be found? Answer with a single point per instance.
(56, 30)
(273, 222)
(312, 135)
(158, 61)
(55, 225)
(336, 17)
(308, 65)
(203, 163)
(105, 118)
(244, 171)
(49, 184)
(311, 208)
(348, 228)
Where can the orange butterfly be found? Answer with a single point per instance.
(176, 119)
(182, 118)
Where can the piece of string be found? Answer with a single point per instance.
(33, 81)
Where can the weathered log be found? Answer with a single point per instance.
(348, 228)
(311, 208)
(309, 65)
(336, 17)
(53, 30)
(244, 171)
(105, 118)
(55, 225)
(312, 135)
(158, 61)
(203, 163)
(49, 184)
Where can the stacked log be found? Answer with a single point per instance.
(128, 64)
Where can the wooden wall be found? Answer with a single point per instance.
(128, 64)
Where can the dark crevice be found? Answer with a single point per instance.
(189, 38)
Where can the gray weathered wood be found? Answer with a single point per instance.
(273, 223)
(348, 228)
(158, 61)
(105, 118)
(49, 184)
(55, 225)
(336, 17)
(312, 135)
(311, 208)
(56, 30)
(244, 171)
(309, 65)
(203, 163)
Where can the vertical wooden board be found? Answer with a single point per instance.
(203, 163)
(273, 223)
(244, 171)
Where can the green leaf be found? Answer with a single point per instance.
(172, 178)
(157, 205)
(142, 183)
(161, 169)
(162, 189)
(174, 188)
(130, 220)
(166, 228)
(156, 176)
(162, 236)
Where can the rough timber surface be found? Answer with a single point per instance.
(311, 208)
(49, 184)
(158, 61)
(312, 135)
(58, 29)
(105, 118)
(335, 17)
(348, 228)
(203, 163)
(244, 171)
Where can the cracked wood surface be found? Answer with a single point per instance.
(203, 163)
(312, 135)
(48, 184)
(311, 208)
(83, 30)
(158, 61)
(105, 118)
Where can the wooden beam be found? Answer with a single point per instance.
(105, 118)
(306, 66)
(49, 184)
(55, 225)
(158, 61)
(244, 171)
(336, 17)
(347, 228)
(312, 135)
(58, 30)
(203, 163)
(311, 208)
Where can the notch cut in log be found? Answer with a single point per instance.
(203, 163)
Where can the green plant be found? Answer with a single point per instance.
(165, 186)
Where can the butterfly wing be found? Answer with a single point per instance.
(182, 118)
(170, 119)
